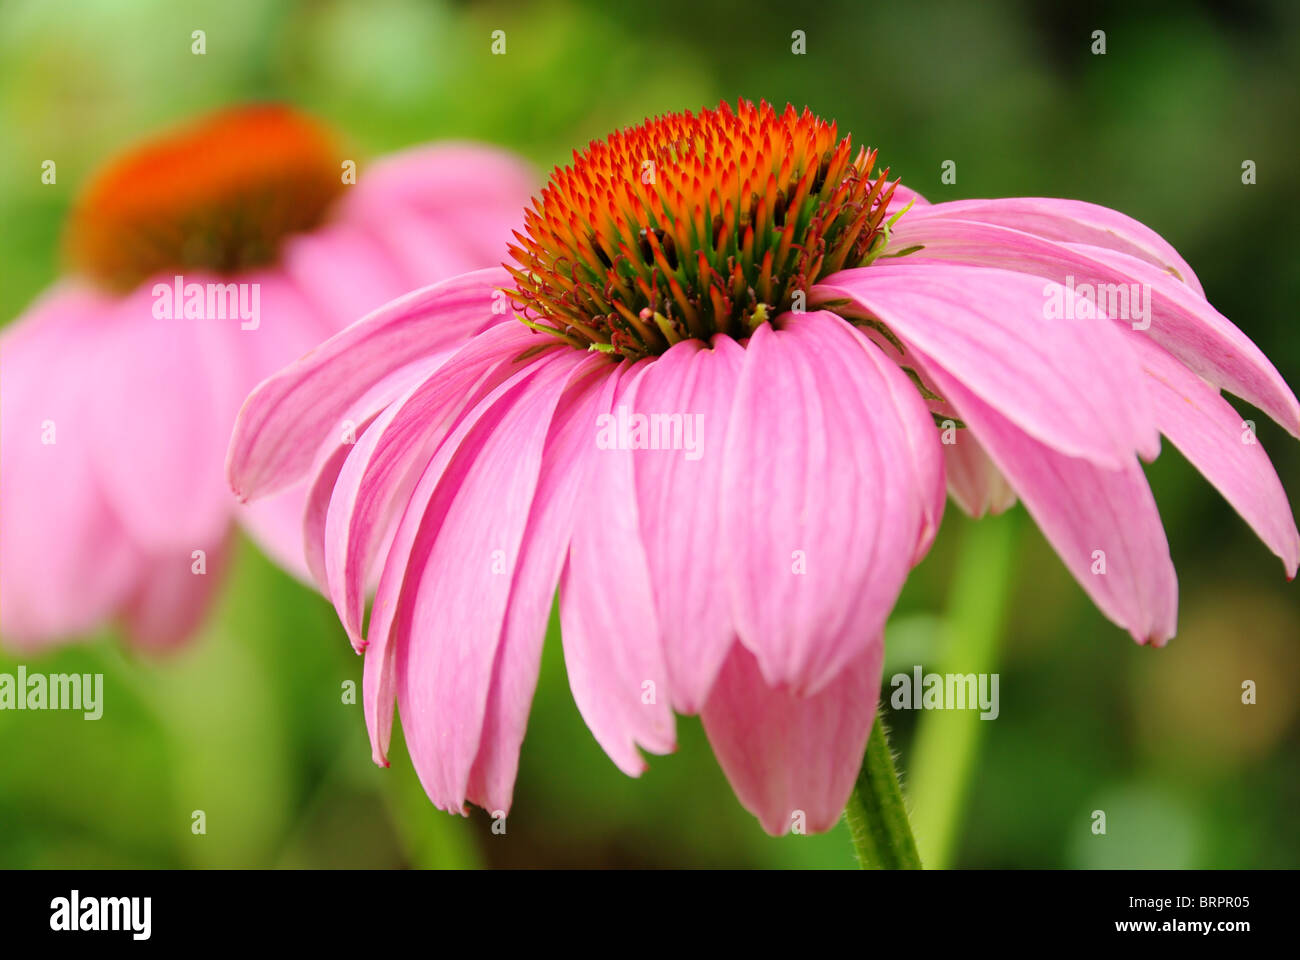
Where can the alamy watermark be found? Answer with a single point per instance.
(946, 691)
(209, 301)
(651, 431)
(76, 913)
(1089, 301)
(54, 691)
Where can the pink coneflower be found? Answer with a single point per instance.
(120, 384)
(724, 428)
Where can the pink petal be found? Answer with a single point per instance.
(423, 248)
(1181, 319)
(607, 613)
(1081, 509)
(902, 197)
(974, 482)
(677, 501)
(290, 524)
(389, 631)
(460, 573)
(1067, 221)
(460, 181)
(318, 493)
(283, 421)
(289, 324)
(1072, 384)
(786, 755)
(275, 524)
(927, 463)
(65, 562)
(1213, 436)
(347, 273)
(166, 395)
(379, 685)
(1209, 344)
(822, 507)
(444, 210)
(386, 462)
(171, 599)
(541, 559)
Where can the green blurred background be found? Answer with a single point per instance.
(248, 724)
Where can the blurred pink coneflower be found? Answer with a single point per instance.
(201, 263)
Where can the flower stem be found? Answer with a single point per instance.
(946, 748)
(876, 815)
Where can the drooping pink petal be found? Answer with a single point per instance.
(822, 507)
(974, 482)
(1102, 523)
(65, 562)
(460, 573)
(1071, 383)
(1067, 221)
(319, 491)
(171, 598)
(282, 422)
(1209, 344)
(389, 631)
(386, 462)
(1213, 436)
(1180, 318)
(290, 525)
(398, 206)
(608, 621)
(927, 465)
(689, 389)
(379, 683)
(541, 560)
(298, 310)
(793, 760)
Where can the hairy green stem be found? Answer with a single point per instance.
(876, 814)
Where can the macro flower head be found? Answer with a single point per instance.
(717, 399)
(198, 264)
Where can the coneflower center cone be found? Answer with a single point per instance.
(220, 196)
(689, 226)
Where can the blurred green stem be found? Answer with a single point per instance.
(947, 741)
(876, 815)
